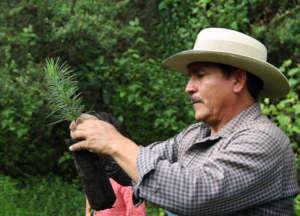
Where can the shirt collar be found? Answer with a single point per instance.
(249, 114)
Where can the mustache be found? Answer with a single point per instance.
(194, 99)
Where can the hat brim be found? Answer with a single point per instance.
(275, 83)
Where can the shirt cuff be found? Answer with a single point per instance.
(146, 161)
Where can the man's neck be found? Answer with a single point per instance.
(232, 111)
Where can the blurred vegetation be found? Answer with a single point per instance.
(115, 48)
(40, 196)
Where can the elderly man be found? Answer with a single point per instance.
(234, 161)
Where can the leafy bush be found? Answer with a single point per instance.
(24, 131)
(28, 144)
(297, 205)
(275, 23)
(286, 113)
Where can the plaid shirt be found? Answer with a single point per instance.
(246, 168)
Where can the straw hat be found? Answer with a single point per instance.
(233, 48)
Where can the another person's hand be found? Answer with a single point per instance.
(94, 135)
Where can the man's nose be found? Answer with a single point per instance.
(190, 87)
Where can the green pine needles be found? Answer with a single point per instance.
(64, 101)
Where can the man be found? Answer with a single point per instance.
(234, 161)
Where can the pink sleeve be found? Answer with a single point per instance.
(88, 210)
(123, 205)
(131, 210)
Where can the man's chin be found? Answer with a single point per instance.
(201, 114)
(199, 117)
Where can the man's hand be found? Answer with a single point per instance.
(94, 135)
(102, 138)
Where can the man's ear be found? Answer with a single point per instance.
(240, 78)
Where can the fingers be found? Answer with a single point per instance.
(81, 145)
(79, 129)
(79, 120)
(78, 134)
(85, 116)
(72, 126)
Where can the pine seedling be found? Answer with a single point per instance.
(64, 99)
(65, 103)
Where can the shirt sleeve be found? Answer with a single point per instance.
(246, 172)
(165, 150)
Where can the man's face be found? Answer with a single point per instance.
(210, 92)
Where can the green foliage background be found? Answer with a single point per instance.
(115, 48)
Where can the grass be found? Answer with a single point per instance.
(40, 196)
(46, 196)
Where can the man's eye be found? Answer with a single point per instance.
(199, 75)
